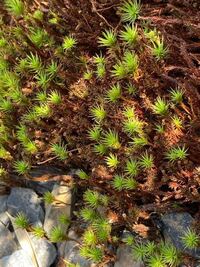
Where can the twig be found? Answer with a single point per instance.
(94, 9)
(45, 161)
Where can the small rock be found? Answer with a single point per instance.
(174, 226)
(125, 258)
(69, 251)
(45, 251)
(18, 259)
(3, 208)
(63, 194)
(7, 243)
(25, 200)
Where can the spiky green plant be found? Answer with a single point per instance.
(130, 10)
(160, 107)
(111, 139)
(30, 147)
(60, 151)
(118, 182)
(130, 184)
(139, 141)
(82, 175)
(69, 43)
(38, 231)
(92, 253)
(88, 75)
(15, 7)
(57, 235)
(21, 167)
(132, 167)
(52, 69)
(112, 161)
(160, 128)
(131, 89)
(88, 214)
(176, 95)
(129, 35)
(132, 125)
(22, 133)
(156, 260)
(38, 37)
(42, 79)
(119, 71)
(170, 254)
(159, 50)
(108, 39)
(54, 97)
(129, 112)
(129, 240)
(114, 93)
(100, 149)
(92, 198)
(146, 161)
(41, 96)
(64, 219)
(48, 198)
(89, 238)
(177, 122)
(34, 63)
(42, 111)
(177, 153)
(21, 221)
(102, 228)
(190, 239)
(101, 71)
(139, 251)
(6, 105)
(98, 113)
(38, 14)
(130, 62)
(99, 59)
(95, 133)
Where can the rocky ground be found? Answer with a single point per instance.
(22, 249)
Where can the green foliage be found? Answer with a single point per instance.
(6, 105)
(38, 37)
(42, 80)
(177, 153)
(42, 111)
(48, 198)
(60, 151)
(82, 175)
(34, 63)
(101, 71)
(130, 62)
(38, 231)
(95, 133)
(38, 14)
(118, 182)
(57, 235)
(129, 112)
(114, 93)
(132, 167)
(142, 251)
(21, 221)
(176, 95)
(130, 184)
(129, 35)
(88, 75)
(41, 96)
(92, 253)
(98, 113)
(156, 261)
(131, 88)
(159, 50)
(21, 167)
(88, 214)
(129, 240)
(112, 161)
(102, 229)
(30, 147)
(15, 7)
(91, 198)
(64, 219)
(99, 59)
(52, 69)
(111, 139)
(160, 107)
(177, 122)
(54, 97)
(89, 238)
(100, 149)
(108, 39)
(160, 128)
(190, 239)
(69, 43)
(146, 161)
(139, 141)
(119, 71)
(130, 10)
(132, 125)
(169, 254)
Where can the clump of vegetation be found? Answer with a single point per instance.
(104, 113)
